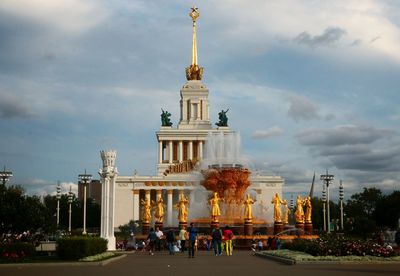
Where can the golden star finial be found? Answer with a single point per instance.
(194, 14)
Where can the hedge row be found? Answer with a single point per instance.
(74, 248)
(17, 252)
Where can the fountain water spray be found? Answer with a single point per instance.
(224, 172)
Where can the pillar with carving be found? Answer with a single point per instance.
(108, 174)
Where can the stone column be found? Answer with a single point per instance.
(171, 152)
(191, 111)
(169, 207)
(200, 157)
(108, 176)
(199, 111)
(136, 204)
(190, 150)
(160, 152)
(147, 194)
(184, 110)
(180, 150)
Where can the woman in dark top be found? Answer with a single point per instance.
(151, 241)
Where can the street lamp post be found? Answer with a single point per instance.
(341, 195)
(84, 178)
(5, 176)
(327, 178)
(70, 209)
(58, 203)
(324, 205)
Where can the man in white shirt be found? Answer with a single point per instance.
(159, 235)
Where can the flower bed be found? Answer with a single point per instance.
(16, 252)
(339, 246)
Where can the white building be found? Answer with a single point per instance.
(121, 195)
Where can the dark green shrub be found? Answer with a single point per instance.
(17, 252)
(74, 248)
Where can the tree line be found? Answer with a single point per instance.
(20, 212)
(365, 213)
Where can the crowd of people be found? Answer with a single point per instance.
(186, 240)
(272, 243)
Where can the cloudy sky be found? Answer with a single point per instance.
(310, 85)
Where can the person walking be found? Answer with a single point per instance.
(228, 236)
(151, 241)
(170, 241)
(160, 235)
(182, 237)
(216, 235)
(192, 231)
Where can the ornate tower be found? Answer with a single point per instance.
(194, 94)
(108, 176)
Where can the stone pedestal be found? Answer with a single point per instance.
(248, 227)
(182, 224)
(145, 228)
(278, 227)
(308, 228)
(300, 226)
(159, 225)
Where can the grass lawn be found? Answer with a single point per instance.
(301, 257)
(55, 259)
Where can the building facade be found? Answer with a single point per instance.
(180, 153)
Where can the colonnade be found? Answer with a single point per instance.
(178, 151)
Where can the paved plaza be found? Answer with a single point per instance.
(241, 263)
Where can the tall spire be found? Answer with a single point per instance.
(194, 72)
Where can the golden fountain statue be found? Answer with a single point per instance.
(183, 208)
(248, 214)
(146, 210)
(286, 212)
(299, 213)
(277, 208)
(215, 210)
(307, 204)
(194, 71)
(159, 210)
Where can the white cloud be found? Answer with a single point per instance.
(42, 187)
(268, 133)
(74, 16)
(285, 19)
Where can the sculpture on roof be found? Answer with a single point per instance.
(223, 119)
(165, 118)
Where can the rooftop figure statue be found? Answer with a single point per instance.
(165, 118)
(223, 119)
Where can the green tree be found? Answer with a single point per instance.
(387, 211)
(19, 212)
(361, 210)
